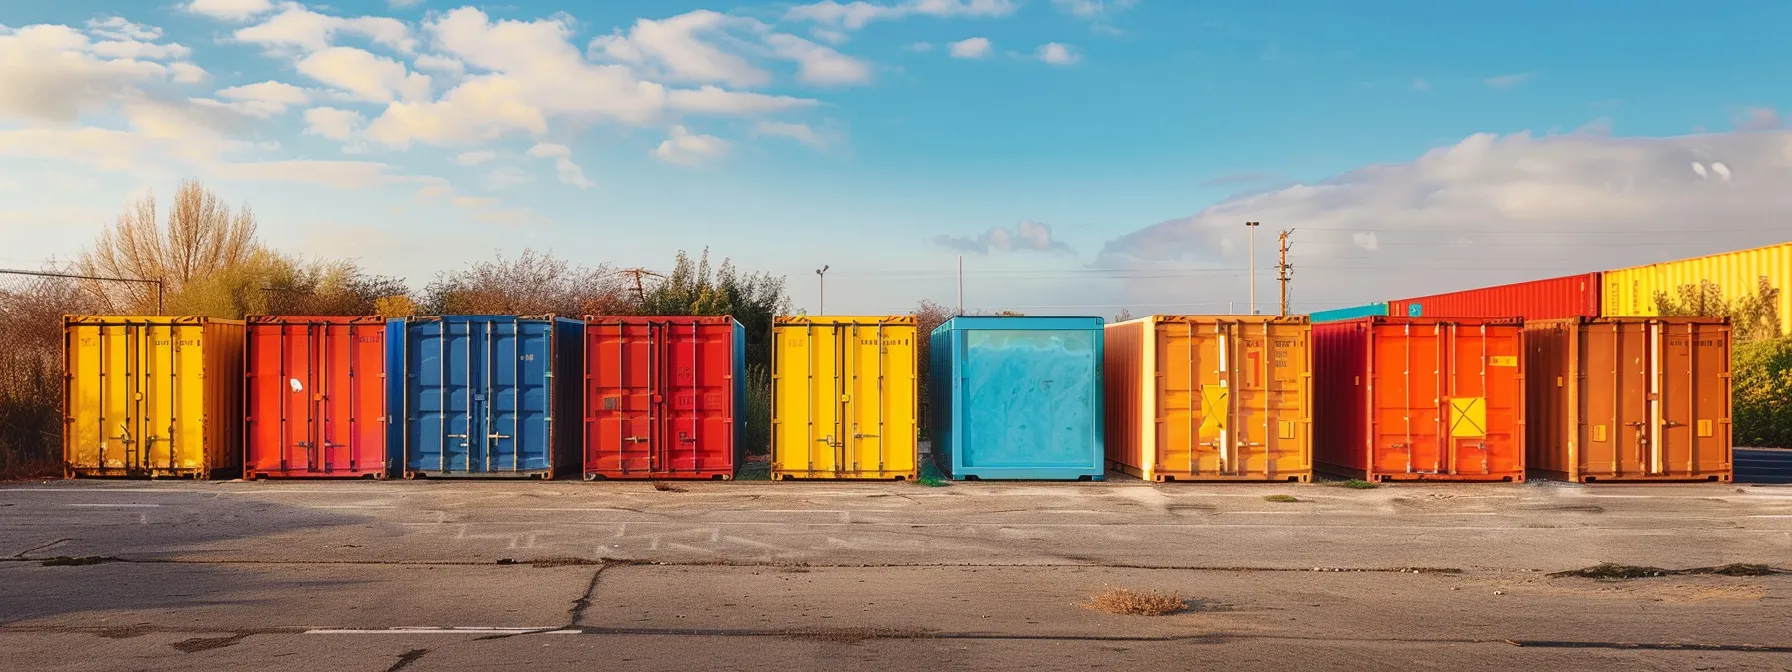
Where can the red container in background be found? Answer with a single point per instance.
(663, 396)
(1398, 398)
(1555, 298)
(315, 397)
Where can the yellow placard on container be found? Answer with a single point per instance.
(1468, 417)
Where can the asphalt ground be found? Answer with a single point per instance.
(464, 575)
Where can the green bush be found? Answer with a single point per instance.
(1762, 392)
(757, 435)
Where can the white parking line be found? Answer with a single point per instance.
(116, 505)
(423, 630)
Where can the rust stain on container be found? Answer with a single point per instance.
(1420, 399)
(1210, 398)
(1629, 399)
(316, 397)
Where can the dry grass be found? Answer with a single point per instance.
(1135, 603)
(663, 486)
(1280, 498)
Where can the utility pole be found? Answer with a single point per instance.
(640, 289)
(1282, 268)
(1253, 227)
(961, 284)
(822, 305)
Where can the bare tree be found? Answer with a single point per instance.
(201, 239)
(533, 283)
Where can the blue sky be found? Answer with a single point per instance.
(1084, 156)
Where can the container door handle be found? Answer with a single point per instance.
(494, 436)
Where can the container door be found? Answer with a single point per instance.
(345, 395)
(296, 349)
(440, 360)
(1481, 397)
(1614, 399)
(518, 401)
(105, 427)
(1028, 398)
(1268, 400)
(1408, 398)
(698, 416)
(1193, 369)
(173, 398)
(810, 391)
(866, 415)
(1689, 384)
(625, 366)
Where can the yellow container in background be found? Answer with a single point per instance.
(844, 397)
(152, 396)
(1630, 292)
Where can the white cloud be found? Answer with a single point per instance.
(187, 73)
(135, 49)
(507, 177)
(441, 64)
(976, 47)
(829, 35)
(713, 100)
(819, 65)
(1367, 241)
(1057, 53)
(685, 48)
(855, 15)
(1490, 209)
(118, 28)
(300, 28)
(1758, 119)
(920, 47)
(365, 76)
(1504, 82)
(564, 168)
(265, 99)
(156, 133)
(802, 133)
(685, 148)
(1028, 236)
(474, 158)
(1092, 9)
(230, 10)
(51, 73)
(338, 174)
(333, 123)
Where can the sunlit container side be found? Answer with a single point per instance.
(152, 396)
(1017, 397)
(1400, 398)
(663, 397)
(1209, 398)
(485, 396)
(1351, 313)
(844, 397)
(1632, 292)
(1628, 399)
(1553, 298)
(315, 397)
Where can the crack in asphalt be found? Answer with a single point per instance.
(561, 561)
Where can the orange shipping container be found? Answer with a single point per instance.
(1629, 399)
(1195, 398)
(1420, 399)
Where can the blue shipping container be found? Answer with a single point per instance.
(478, 395)
(1017, 397)
(1351, 313)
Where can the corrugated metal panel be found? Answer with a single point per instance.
(153, 396)
(1420, 399)
(482, 394)
(1632, 291)
(1553, 298)
(843, 397)
(316, 397)
(1629, 399)
(1020, 397)
(1351, 313)
(663, 396)
(1210, 398)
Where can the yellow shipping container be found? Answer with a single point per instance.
(1197, 398)
(152, 396)
(844, 397)
(1631, 292)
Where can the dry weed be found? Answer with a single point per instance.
(1135, 603)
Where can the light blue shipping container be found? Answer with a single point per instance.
(1017, 397)
(484, 396)
(1351, 313)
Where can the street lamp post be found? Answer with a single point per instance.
(1253, 227)
(822, 305)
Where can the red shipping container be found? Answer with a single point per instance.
(1399, 398)
(663, 397)
(1555, 298)
(315, 397)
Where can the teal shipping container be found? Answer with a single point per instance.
(1017, 398)
(1351, 313)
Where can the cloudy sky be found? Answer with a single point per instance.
(1081, 155)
